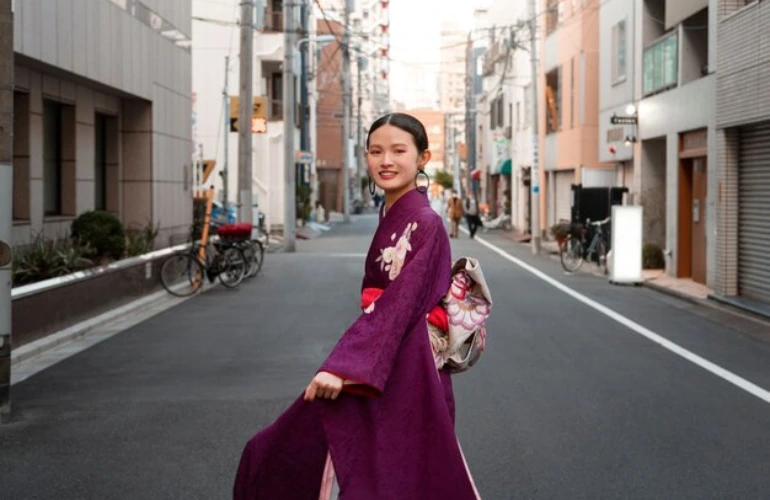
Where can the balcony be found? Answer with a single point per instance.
(661, 64)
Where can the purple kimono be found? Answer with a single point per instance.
(390, 434)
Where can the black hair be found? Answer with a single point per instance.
(407, 123)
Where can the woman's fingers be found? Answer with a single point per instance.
(322, 388)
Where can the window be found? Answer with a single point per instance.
(100, 163)
(500, 111)
(52, 158)
(660, 64)
(552, 16)
(572, 93)
(553, 101)
(276, 96)
(274, 20)
(21, 207)
(619, 52)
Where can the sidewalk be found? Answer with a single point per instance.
(655, 279)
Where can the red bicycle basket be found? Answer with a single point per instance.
(238, 231)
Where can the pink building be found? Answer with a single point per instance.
(568, 105)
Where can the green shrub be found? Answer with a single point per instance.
(141, 240)
(47, 259)
(652, 257)
(102, 232)
(444, 178)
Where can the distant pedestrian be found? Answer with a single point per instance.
(320, 212)
(455, 213)
(472, 217)
(377, 420)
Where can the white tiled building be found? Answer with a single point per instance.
(102, 114)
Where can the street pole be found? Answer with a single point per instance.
(246, 97)
(359, 131)
(6, 203)
(225, 163)
(535, 170)
(346, 97)
(289, 153)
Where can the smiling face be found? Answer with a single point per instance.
(393, 161)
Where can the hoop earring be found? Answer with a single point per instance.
(372, 187)
(422, 189)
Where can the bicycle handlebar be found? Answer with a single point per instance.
(598, 223)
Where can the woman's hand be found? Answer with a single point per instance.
(324, 385)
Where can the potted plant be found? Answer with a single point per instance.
(560, 231)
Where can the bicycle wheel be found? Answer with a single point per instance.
(257, 258)
(571, 254)
(181, 275)
(601, 256)
(233, 267)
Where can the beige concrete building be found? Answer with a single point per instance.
(102, 120)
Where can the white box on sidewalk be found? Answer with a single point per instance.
(626, 255)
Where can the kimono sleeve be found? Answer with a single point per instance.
(365, 354)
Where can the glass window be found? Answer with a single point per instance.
(660, 65)
(52, 158)
(100, 163)
(619, 51)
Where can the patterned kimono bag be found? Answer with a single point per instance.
(468, 304)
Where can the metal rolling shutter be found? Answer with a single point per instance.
(564, 180)
(754, 214)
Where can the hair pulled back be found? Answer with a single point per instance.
(405, 122)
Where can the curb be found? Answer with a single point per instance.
(673, 293)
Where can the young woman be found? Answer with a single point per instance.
(377, 420)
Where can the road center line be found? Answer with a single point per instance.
(636, 327)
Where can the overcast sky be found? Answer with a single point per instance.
(415, 40)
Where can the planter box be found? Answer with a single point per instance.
(46, 307)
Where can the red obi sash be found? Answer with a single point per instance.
(437, 316)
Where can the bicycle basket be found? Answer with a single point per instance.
(237, 231)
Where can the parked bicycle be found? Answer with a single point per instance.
(183, 273)
(575, 249)
(244, 237)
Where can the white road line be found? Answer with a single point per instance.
(707, 365)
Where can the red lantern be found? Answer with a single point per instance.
(384, 4)
(384, 52)
(384, 28)
(384, 75)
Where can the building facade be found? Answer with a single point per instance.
(674, 168)
(742, 163)
(213, 43)
(102, 99)
(569, 105)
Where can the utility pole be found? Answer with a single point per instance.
(225, 163)
(245, 99)
(535, 170)
(6, 203)
(359, 131)
(346, 98)
(289, 153)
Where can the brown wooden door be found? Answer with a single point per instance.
(699, 196)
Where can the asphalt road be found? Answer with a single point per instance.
(567, 403)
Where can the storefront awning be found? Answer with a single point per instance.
(505, 168)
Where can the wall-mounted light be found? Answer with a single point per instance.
(630, 139)
(630, 109)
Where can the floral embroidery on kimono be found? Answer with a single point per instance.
(392, 259)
